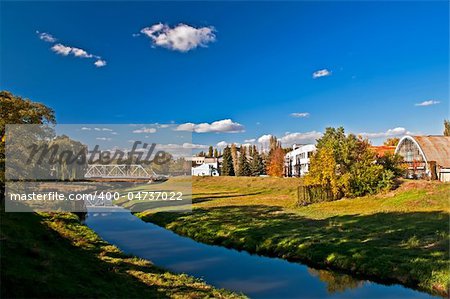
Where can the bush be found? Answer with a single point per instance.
(369, 179)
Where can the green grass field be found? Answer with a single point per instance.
(401, 236)
(55, 256)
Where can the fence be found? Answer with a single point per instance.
(314, 193)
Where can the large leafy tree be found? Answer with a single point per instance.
(72, 167)
(323, 170)
(17, 110)
(347, 165)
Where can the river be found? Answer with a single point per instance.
(253, 275)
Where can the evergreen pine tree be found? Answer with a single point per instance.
(256, 166)
(244, 166)
(216, 153)
(210, 152)
(264, 158)
(227, 163)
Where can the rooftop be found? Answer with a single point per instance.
(435, 148)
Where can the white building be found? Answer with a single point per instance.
(296, 162)
(201, 160)
(206, 169)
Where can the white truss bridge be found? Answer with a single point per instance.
(125, 171)
(98, 202)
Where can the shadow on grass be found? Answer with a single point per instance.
(409, 248)
(209, 197)
(69, 261)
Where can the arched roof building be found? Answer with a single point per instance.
(426, 156)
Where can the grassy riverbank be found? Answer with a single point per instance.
(401, 236)
(54, 256)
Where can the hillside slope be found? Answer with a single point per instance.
(401, 236)
(55, 256)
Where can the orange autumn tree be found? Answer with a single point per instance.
(275, 167)
(276, 158)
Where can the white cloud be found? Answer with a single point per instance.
(321, 73)
(220, 126)
(46, 37)
(186, 127)
(169, 146)
(100, 63)
(77, 52)
(250, 140)
(194, 146)
(180, 150)
(61, 49)
(145, 130)
(222, 144)
(186, 145)
(98, 129)
(396, 132)
(65, 50)
(103, 138)
(427, 103)
(300, 114)
(264, 138)
(300, 138)
(181, 38)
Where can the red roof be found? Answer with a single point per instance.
(382, 150)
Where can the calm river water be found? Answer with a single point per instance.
(253, 275)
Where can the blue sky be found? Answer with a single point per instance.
(246, 66)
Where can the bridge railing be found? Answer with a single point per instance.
(128, 171)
